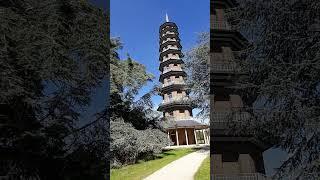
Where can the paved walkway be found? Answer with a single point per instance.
(181, 169)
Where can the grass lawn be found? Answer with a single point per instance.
(204, 170)
(144, 168)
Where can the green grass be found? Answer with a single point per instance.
(204, 171)
(144, 168)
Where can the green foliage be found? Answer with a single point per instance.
(135, 129)
(128, 144)
(283, 66)
(127, 76)
(53, 54)
(197, 60)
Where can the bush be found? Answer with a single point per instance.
(128, 144)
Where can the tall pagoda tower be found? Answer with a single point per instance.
(176, 106)
(233, 156)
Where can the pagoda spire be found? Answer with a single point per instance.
(167, 18)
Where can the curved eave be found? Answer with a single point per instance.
(175, 105)
(172, 73)
(186, 124)
(227, 37)
(170, 43)
(190, 127)
(174, 87)
(170, 61)
(162, 38)
(170, 51)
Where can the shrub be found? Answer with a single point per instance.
(128, 144)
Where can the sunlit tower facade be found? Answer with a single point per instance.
(176, 106)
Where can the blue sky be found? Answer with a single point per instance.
(137, 24)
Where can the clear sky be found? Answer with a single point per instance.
(137, 23)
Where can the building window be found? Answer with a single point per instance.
(175, 64)
(177, 77)
(179, 92)
(181, 111)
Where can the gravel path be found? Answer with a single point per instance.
(181, 169)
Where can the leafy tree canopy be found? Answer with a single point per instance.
(53, 55)
(283, 63)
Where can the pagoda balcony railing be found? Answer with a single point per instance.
(175, 100)
(168, 39)
(174, 48)
(224, 56)
(173, 82)
(234, 115)
(245, 176)
(223, 67)
(167, 58)
(173, 118)
(171, 69)
(168, 32)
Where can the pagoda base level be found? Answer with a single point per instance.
(188, 136)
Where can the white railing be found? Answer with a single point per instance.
(168, 39)
(171, 69)
(247, 176)
(173, 48)
(173, 118)
(172, 82)
(232, 116)
(173, 100)
(168, 32)
(172, 57)
(223, 67)
(221, 25)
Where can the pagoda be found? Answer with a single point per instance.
(182, 129)
(233, 156)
